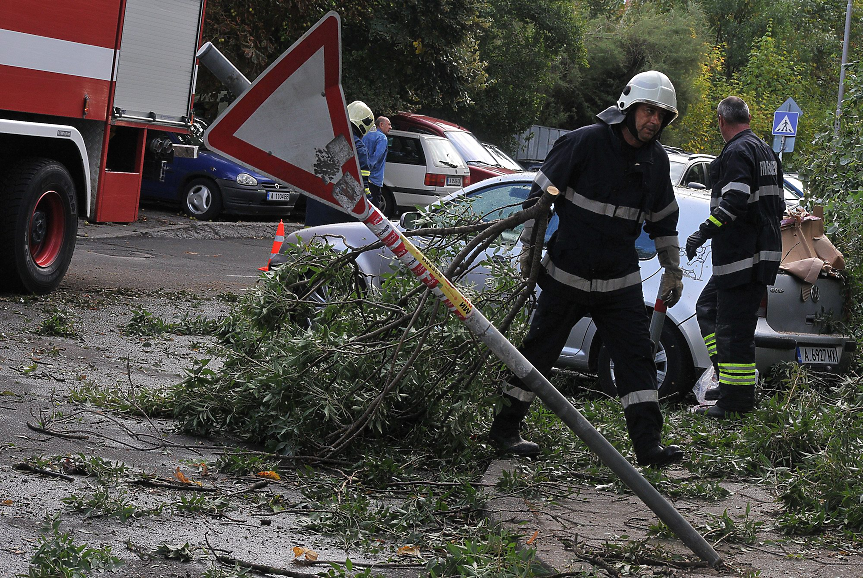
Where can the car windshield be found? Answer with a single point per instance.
(469, 148)
(677, 169)
(443, 153)
(502, 159)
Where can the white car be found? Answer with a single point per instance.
(420, 169)
(691, 170)
(789, 327)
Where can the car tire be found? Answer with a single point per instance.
(38, 226)
(388, 203)
(202, 199)
(673, 363)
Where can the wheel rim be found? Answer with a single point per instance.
(199, 199)
(47, 229)
(661, 361)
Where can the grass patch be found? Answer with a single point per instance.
(140, 401)
(58, 324)
(59, 556)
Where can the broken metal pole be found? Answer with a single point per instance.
(482, 328)
(223, 69)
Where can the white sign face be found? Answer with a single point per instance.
(294, 120)
(292, 124)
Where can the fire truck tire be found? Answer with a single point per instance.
(202, 199)
(38, 225)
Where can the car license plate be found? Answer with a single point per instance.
(453, 181)
(278, 196)
(812, 355)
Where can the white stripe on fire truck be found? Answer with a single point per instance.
(53, 55)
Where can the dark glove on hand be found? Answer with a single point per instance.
(694, 241)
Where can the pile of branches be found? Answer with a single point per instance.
(321, 360)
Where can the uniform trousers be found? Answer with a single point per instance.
(622, 324)
(727, 318)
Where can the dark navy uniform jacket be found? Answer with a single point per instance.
(608, 192)
(747, 204)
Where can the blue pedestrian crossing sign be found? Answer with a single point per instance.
(785, 123)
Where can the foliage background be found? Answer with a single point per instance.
(499, 66)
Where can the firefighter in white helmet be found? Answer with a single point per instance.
(614, 181)
(362, 119)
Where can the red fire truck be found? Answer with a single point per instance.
(81, 82)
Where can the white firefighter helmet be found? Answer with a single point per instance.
(651, 87)
(361, 116)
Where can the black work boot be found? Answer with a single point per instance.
(733, 401)
(504, 434)
(658, 456)
(712, 393)
(509, 441)
(718, 412)
(644, 424)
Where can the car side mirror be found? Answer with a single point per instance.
(408, 220)
(694, 185)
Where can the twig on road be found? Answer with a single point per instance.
(25, 467)
(68, 436)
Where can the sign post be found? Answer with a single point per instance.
(296, 130)
(785, 127)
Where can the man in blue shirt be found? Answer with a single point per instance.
(376, 148)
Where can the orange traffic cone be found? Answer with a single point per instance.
(277, 245)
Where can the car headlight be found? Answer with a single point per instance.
(246, 179)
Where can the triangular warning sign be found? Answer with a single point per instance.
(292, 125)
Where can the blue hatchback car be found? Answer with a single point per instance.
(210, 184)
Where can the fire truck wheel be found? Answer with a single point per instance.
(38, 225)
(202, 199)
(673, 366)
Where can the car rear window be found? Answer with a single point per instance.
(443, 153)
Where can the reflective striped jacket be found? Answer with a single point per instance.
(747, 204)
(609, 191)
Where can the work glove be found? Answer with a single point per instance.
(695, 240)
(671, 282)
(524, 258)
(671, 286)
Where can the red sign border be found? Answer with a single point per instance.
(325, 34)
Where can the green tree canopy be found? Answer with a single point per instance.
(618, 47)
(522, 45)
(394, 54)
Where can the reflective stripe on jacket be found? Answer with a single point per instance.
(748, 199)
(609, 193)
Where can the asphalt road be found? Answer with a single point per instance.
(163, 250)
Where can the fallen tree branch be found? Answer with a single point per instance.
(68, 436)
(25, 467)
(172, 486)
(266, 569)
